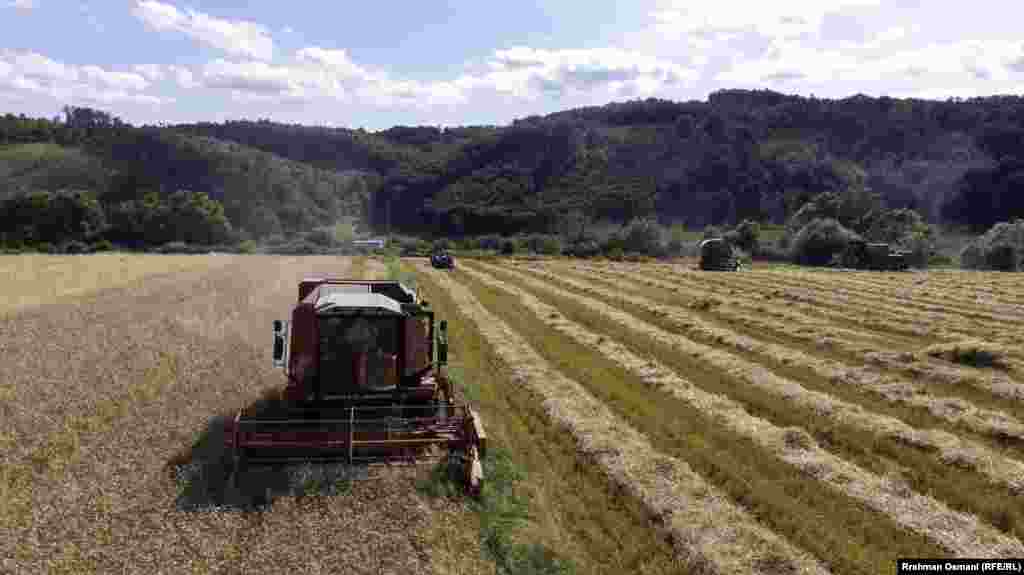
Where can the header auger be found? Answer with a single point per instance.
(365, 382)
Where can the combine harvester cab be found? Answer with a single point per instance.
(363, 385)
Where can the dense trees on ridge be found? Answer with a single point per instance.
(740, 155)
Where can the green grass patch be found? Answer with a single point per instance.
(397, 272)
(503, 511)
(574, 512)
(961, 488)
(840, 531)
(358, 267)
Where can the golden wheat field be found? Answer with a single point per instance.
(110, 388)
(775, 420)
(643, 418)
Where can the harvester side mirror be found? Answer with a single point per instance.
(442, 343)
(280, 342)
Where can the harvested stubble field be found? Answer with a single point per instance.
(817, 420)
(650, 417)
(110, 392)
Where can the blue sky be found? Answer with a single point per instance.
(379, 64)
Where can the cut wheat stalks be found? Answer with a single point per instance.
(864, 311)
(840, 284)
(935, 323)
(810, 331)
(923, 288)
(900, 291)
(863, 308)
(960, 533)
(999, 469)
(951, 409)
(706, 528)
(784, 311)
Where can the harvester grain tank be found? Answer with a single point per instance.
(365, 383)
(718, 254)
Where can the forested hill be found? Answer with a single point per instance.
(91, 151)
(740, 154)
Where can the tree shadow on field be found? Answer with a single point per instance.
(202, 473)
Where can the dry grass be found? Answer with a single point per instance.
(813, 332)
(857, 385)
(33, 279)
(868, 305)
(105, 395)
(947, 446)
(792, 445)
(706, 527)
(596, 526)
(117, 368)
(936, 465)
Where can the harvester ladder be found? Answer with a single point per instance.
(351, 432)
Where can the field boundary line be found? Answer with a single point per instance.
(793, 445)
(706, 527)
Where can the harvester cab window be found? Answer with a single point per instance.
(359, 351)
(361, 335)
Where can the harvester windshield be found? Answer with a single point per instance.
(360, 350)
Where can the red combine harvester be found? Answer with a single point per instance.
(362, 385)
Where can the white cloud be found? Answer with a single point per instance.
(235, 37)
(251, 76)
(528, 74)
(115, 80)
(31, 73)
(918, 68)
(336, 61)
(724, 18)
(531, 73)
(151, 72)
(24, 5)
(37, 66)
(183, 76)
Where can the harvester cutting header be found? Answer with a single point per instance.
(365, 382)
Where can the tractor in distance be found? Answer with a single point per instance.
(861, 255)
(717, 254)
(365, 383)
(442, 260)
